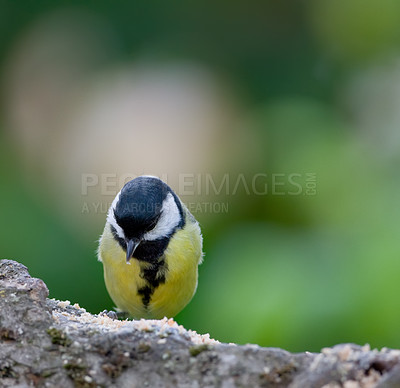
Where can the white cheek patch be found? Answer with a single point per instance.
(169, 220)
(111, 218)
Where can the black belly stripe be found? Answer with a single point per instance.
(154, 275)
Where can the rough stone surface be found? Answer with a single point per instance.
(48, 343)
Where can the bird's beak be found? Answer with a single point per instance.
(131, 247)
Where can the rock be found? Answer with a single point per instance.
(49, 343)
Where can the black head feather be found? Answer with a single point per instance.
(140, 205)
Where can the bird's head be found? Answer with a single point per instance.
(146, 209)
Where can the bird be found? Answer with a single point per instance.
(150, 248)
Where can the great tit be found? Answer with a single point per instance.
(150, 248)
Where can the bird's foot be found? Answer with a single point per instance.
(115, 314)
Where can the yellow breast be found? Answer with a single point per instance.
(124, 281)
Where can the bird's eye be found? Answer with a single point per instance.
(153, 223)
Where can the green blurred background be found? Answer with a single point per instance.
(214, 90)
